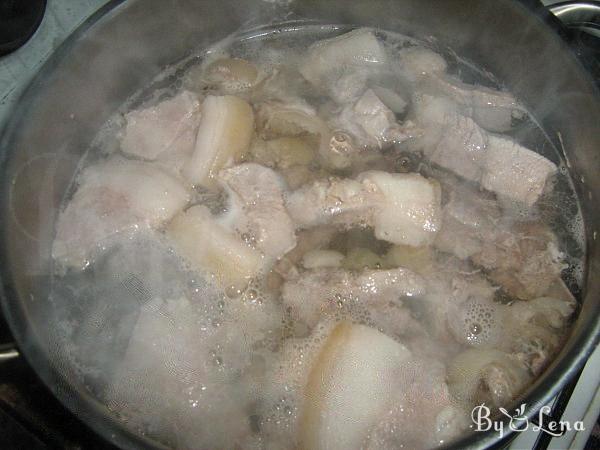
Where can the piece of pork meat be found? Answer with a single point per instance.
(371, 123)
(341, 404)
(416, 63)
(212, 247)
(113, 198)
(495, 110)
(455, 142)
(488, 376)
(327, 58)
(223, 137)
(402, 208)
(165, 132)
(258, 209)
(468, 220)
(332, 200)
(451, 140)
(422, 412)
(523, 259)
(492, 109)
(514, 172)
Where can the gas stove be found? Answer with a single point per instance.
(30, 416)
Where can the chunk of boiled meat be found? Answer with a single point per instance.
(114, 197)
(350, 386)
(332, 200)
(524, 259)
(371, 122)
(417, 62)
(422, 412)
(223, 137)
(515, 172)
(257, 192)
(366, 390)
(493, 109)
(410, 210)
(491, 376)
(403, 208)
(167, 371)
(536, 328)
(468, 220)
(211, 247)
(165, 131)
(359, 48)
(455, 142)
(348, 87)
(451, 140)
(291, 118)
(231, 75)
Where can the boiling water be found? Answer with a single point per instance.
(193, 365)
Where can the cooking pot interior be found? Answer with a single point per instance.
(125, 45)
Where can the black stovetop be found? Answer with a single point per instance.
(31, 418)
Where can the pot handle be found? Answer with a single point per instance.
(8, 347)
(8, 352)
(578, 24)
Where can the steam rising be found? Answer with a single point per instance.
(195, 363)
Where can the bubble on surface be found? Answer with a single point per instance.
(477, 322)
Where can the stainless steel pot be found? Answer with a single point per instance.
(124, 45)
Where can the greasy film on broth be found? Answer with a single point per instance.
(321, 238)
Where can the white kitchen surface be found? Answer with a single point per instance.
(17, 68)
(63, 16)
